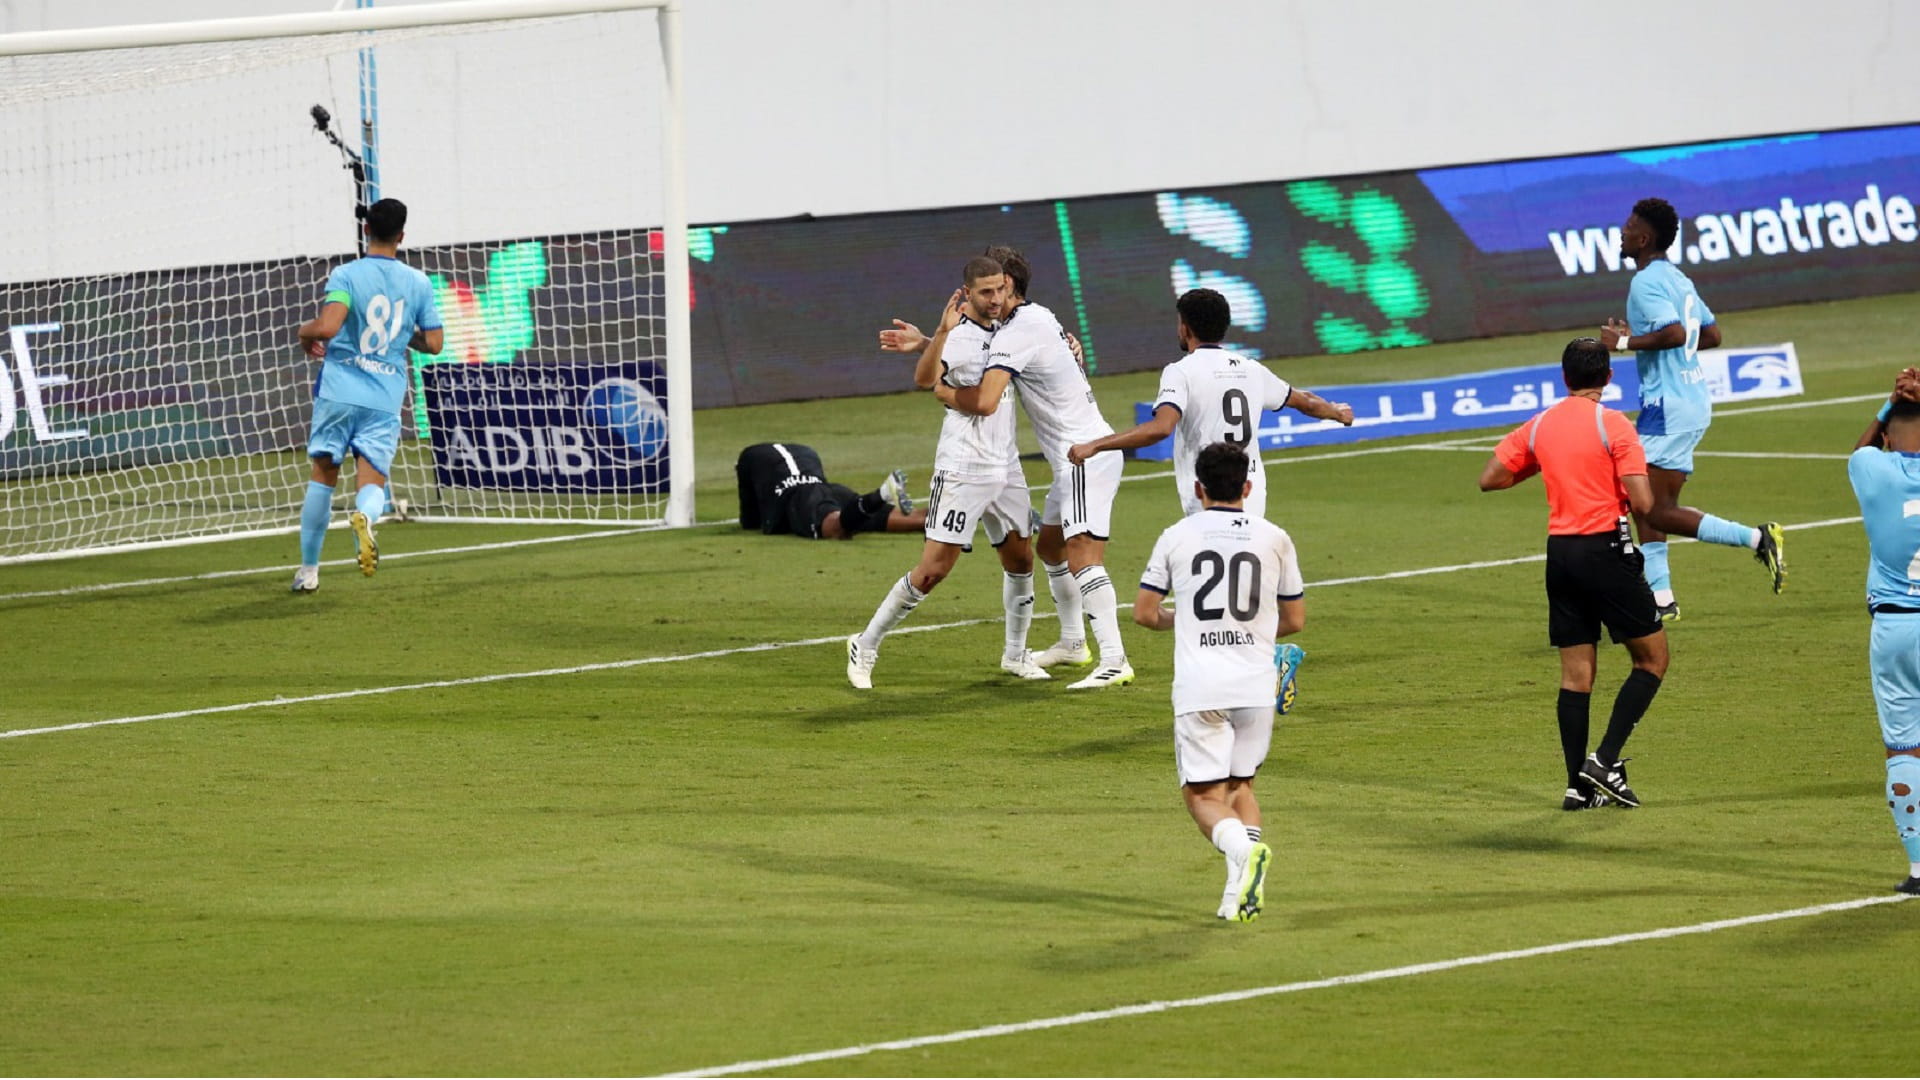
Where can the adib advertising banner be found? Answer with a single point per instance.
(1503, 398)
(568, 428)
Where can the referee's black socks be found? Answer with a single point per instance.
(1572, 712)
(1628, 707)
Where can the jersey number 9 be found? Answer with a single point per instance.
(1233, 406)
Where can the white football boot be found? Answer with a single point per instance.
(1105, 677)
(1023, 666)
(1064, 652)
(306, 579)
(860, 663)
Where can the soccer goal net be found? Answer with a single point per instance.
(173, 205)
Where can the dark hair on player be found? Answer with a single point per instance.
(1660, 214)
(1015, 264)
(1585, 364)
(1904, 410)
(978, 267)
(1221, 469)
(385, 220)
(1206, 314)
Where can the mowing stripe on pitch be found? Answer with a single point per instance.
(288, 568)
(473, 680)
(769, 646)
(1150, 1007)
(1472, 442)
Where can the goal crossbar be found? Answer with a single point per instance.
(673, 246)
(300, 24)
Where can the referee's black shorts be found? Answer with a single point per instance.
(1596, 580)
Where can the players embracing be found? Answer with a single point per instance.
(977, 482)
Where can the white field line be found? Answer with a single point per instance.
(766, 646)
(1382, 974)
(475, 680)
(1474, 442)
(1852, 399)
(111, 586)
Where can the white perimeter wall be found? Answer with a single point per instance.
(845, 106)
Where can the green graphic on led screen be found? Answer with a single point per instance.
(1218, 226)
(1073, 282)
(489, 325)
(1385, 279)
(495, 323)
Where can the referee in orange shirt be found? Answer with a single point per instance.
(1595, 472)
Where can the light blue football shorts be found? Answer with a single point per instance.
(372, 435)
(1894, 655)
(1673, 451)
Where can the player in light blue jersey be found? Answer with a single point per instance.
(1887, 483)
(376, 309)
(1667, 325)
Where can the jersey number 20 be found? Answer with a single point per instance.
(1242, 575)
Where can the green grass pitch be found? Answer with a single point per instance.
(687, 864)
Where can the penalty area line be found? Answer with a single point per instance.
(1356, 979)
(476, 680)
(711, 654)
(391, 556)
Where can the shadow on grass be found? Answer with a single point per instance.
(943, 704)
(921, 877)
(1441, 902)
(1123, 742)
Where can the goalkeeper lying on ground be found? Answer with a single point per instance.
(783, 488)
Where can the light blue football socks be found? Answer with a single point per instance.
(1659, 578)
(315, 512)
(1717, 530)
(371, 501)
(1903, 798)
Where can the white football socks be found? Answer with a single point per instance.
(1016, 595)
(1230, 836)
(900, 602)
(1101, 604)
(1066, 601)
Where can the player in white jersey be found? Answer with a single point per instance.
(1030, 350)
(1239, 584)
(977, 481)
(1212, 395)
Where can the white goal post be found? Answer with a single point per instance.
(175, 198)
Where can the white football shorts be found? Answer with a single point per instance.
(1081, 498)
(957, 504)
(1221, 744)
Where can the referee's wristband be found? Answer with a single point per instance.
(1886, 407)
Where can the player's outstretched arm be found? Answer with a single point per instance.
(1150, 613)
(1150, 431)
(928, 369)
(1320, 408)
(317, 331)
(903, 338)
